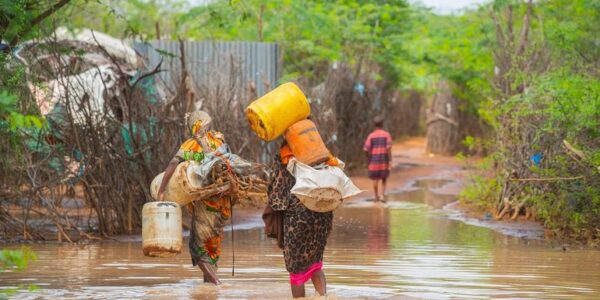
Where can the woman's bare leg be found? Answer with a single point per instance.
(320, 283)
(298, 291)
(209, 273)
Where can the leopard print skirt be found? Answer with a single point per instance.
(305, 232)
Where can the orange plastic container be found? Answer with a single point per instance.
(306, 143)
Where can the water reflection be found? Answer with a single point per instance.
(378, 232)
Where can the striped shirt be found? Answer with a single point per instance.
(378, 145)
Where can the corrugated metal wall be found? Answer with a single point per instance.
(258, 62)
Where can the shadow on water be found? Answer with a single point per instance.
(405, 248)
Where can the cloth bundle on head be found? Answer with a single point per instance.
(198, 121)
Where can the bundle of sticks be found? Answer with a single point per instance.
(248, 190)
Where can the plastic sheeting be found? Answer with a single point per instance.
(112, 45)
(93, 78)
(72, 90)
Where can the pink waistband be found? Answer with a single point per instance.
(301, 278)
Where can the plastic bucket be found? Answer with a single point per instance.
(161, 229)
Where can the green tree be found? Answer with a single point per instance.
(21, 19)
(145, 20)
(546, 103)
(313, 34)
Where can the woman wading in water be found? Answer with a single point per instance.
(305, 232)
(208, 215)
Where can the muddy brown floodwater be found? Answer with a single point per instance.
(409, 248)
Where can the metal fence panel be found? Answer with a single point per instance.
(258, 62)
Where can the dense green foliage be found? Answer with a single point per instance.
(554, 114)
(11, 118)
(313, 33)
(139, 19)
(20, 20)
(16, 116)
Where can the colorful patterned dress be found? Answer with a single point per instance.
(378, 145)
(208, 215)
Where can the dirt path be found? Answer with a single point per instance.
(410, 163)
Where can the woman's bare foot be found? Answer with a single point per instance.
(209, 273)
(298, 291)
(320, 283)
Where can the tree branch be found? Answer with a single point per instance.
(511, 37)
(37, 20)
(525, 28)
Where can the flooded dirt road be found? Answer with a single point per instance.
(405, 249)
(416, 246)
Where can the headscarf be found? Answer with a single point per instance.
(198, 122)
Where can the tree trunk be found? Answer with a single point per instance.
(442, 122)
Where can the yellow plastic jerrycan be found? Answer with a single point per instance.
(271, 114)
(161, 229)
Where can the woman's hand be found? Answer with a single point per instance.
(166, 177)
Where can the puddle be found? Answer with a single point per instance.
(431, 183)
(406, 248)
(420, 191)
(522, 229)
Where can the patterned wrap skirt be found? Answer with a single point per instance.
(305, 232)
(208, 219)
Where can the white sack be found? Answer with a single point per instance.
(322, 188)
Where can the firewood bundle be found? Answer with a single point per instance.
(249, 190)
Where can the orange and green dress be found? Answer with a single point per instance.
(208, 215)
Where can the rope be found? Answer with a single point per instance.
(232, 241)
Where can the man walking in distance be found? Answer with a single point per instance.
(378, 148)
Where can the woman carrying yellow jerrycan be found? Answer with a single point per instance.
(305, 231)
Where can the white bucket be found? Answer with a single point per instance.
(161, 229)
